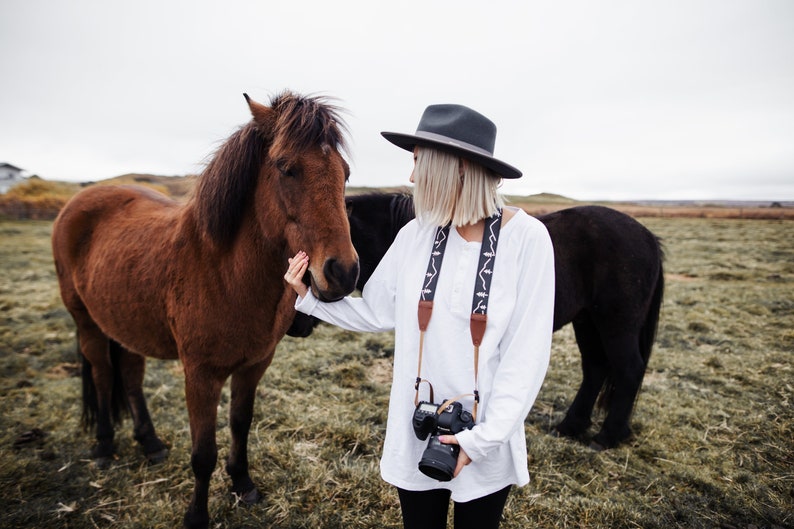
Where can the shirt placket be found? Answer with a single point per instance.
(466, 253)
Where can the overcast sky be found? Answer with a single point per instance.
(633, 99)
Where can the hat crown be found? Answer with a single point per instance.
(457, 130)
(459, 123)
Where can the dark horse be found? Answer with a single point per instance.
(609, 283)
(202, 281)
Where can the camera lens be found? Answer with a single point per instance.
(439, 460)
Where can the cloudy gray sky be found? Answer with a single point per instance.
(632, 99)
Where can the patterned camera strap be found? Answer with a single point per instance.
(479, 306)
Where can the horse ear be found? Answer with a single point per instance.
(263, 116)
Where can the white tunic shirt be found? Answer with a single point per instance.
(513, 359)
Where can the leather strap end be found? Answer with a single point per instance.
(425, 311)
(478, 322)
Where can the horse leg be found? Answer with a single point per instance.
(133, 367)
(594, 372)
(202, 393)
(241, 411)
(627, 370)
(98, 387)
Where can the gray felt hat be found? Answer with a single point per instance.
(458, 130)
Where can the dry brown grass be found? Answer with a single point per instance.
(37, 199)
(714, 423)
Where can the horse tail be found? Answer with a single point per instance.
(118, 399)
(649, 328)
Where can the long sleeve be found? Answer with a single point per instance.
(374, 311)
(364, 314)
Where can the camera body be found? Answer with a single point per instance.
(439, 460)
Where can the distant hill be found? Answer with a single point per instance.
(540, 198)
(173, 186)
(544, 198)
(42, 199)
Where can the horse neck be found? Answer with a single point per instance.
(247, 253)
(258, 238)
(402, 212)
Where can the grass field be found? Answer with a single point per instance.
(714, 424)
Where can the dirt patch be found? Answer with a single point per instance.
(381, 371)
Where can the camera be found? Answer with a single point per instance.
(439, 460)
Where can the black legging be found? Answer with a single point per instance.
(428, 510)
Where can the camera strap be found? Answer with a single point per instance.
(479, 308)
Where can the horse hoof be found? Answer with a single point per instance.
(249, 498)
(157, 457)
(558, 433)
(195, 520)
(598, 447)
(104, 463)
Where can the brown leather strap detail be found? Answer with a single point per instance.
(419, 378)
(478, 322)
(477, 327)
(419, 364)
(443, 405)
(476, 381)
(424, 312)
(416, 397)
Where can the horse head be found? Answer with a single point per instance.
(303, 178)
(281, 180)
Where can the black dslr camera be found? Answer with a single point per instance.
(439, 460)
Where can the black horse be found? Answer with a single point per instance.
(609, 283)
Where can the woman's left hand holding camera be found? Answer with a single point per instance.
(463, 457)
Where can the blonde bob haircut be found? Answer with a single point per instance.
(448, 188)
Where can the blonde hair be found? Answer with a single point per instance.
(443, 195)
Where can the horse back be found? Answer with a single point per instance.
(605, 260)
(99, 212)
(110, 247)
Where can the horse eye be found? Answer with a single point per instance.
(285, 169)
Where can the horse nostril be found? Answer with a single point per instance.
(340, 276)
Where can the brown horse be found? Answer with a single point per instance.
(143, 275)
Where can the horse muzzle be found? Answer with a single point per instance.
(338, 280)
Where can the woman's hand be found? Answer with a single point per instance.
(294, 276)
(463, 457)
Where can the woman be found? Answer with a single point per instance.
(456, 180)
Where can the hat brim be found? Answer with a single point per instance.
(409, 141)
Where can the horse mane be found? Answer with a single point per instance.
(402, 210)
(303, 122)
(226, 185)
